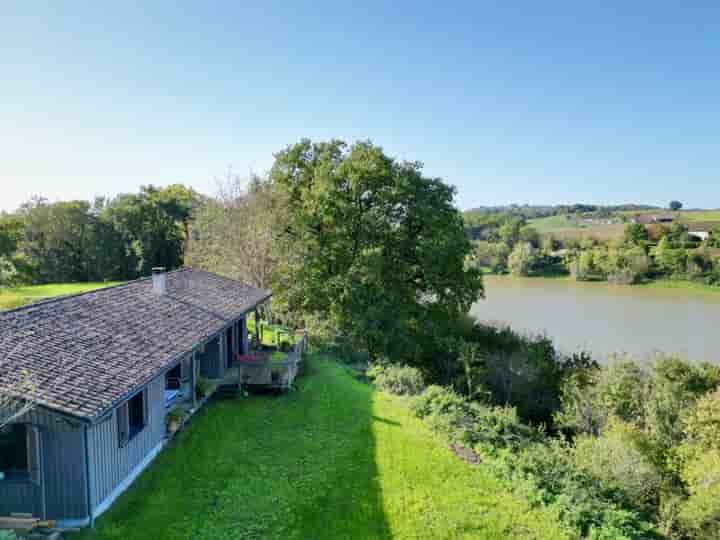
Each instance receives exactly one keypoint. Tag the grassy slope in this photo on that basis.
(19, 296)
(333, 460)
(563, 228)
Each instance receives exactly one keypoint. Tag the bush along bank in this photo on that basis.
(631, 451)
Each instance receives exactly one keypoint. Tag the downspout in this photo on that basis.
(88, 483)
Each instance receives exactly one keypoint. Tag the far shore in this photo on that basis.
(663, 284)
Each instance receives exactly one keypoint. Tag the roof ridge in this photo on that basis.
(75, 295)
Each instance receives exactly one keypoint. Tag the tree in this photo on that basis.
(522, 259)
(582, 265)
(372, 245)
(635, 234)
(530, 235)
(510, 231)
(154, 223)
(232, 234)
(668, 260)
(675, 205)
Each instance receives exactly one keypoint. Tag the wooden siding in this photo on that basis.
(63, 471)
(211, 366)
(110, 464)
(20, 497)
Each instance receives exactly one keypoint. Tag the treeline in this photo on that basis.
(532, 211)
(623, 451)
(506, 243)
(669, 252)
(109, 239)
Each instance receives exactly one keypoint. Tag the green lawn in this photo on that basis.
(19, 296)
(552, 223)
(331, 460)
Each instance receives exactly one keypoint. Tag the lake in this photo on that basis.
(606, 319)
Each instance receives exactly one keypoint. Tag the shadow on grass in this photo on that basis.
(297, 466)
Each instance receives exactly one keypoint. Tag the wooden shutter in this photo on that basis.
(33, 458)
(185, 365)
(123, 423)
(146, 406)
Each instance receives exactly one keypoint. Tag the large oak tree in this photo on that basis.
(372, 245)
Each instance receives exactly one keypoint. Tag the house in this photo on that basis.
(701, 230)
(108, 365)
(664, 218)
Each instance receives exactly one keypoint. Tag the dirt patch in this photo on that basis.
(464, 453)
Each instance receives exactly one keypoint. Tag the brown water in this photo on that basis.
(606, 319)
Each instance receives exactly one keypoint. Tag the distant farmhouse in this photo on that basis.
(649, 219)
(108, 365)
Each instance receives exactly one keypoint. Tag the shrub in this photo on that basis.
(202, 387)
(702, 424)
(549, 474)
(471, 423)
(700, 514)
(402, 380)
(621, 390)
(619, 461)
(436, 400)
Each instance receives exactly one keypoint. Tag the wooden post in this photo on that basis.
(193, 378)
(258, 332)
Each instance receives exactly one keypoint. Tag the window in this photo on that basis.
(132, 417)
(14, 449)
(20, 452)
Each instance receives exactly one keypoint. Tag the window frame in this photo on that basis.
(126, 432)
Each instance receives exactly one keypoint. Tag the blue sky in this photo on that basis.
(532, 102)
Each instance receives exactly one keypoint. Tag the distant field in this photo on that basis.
(19, 296)
(552, 223)
(563, 228)
(683, 215)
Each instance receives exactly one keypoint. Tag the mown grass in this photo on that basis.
(332, 460)
(19, 296)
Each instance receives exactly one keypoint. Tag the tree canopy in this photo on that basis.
(370, 244)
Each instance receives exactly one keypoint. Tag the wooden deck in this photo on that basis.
(261, 370)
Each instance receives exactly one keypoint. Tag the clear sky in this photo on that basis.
(528, 102)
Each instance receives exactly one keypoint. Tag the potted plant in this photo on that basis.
(174, 420)
(202, 388)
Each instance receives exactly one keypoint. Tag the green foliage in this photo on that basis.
(79, 241)
(399, 380)
(471, 423)
(701, 425)
(202, 387)
(371, 245)
(619, 461)
(635, 234)
(675, 205)
(700, 513)
(549, 473)
(491, 255)
(522, 259)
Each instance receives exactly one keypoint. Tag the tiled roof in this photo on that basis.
(86, 352)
